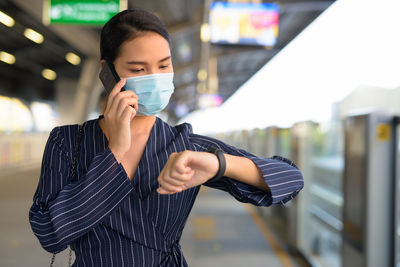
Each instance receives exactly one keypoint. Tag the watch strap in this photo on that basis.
(222, 163)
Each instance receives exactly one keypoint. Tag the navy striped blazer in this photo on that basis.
(109, 220)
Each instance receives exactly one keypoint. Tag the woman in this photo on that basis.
(136, 176)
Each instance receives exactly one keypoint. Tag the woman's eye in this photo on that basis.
(164, 67)
(137, 70)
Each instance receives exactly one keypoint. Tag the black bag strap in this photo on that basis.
(73, 170)
(78, 140)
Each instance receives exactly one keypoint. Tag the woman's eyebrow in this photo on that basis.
(133, 62)
(166, 58)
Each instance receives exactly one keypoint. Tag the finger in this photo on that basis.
(173, 172)
(175, 181)
(128, 114)
(126, 102)
(169, 183)
(184, 187)
(177, 186)
(128, 93)
(181, 162)
(171, 188)
(117, 88)
(116, 95)
(176, 178)
(162, 191)
(117, 100)
(161, 176)
(169, 164)
(165, 172)
(191, 182)
(179, 173)
(180, 168)
(166, 167)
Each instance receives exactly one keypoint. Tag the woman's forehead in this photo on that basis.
(149, 46)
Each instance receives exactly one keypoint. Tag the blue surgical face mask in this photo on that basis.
(153, 91)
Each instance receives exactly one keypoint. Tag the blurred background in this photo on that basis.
(316, 81)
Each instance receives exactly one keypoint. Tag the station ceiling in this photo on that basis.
(234, 63)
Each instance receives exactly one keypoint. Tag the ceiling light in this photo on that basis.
(202, 75)
(49, 74)
(33, 36)
(72, 58)
(7, 58)
(6, 19)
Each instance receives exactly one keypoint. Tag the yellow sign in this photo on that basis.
(383, 132)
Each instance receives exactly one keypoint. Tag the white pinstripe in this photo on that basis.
(140, 230)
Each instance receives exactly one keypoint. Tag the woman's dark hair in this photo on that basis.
(125, 26)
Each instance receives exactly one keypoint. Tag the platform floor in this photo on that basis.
(224, 232)
(220, 230)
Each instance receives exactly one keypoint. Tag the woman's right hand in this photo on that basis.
(117, 117)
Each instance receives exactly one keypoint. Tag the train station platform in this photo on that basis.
(220, 230)
(324, 92)
(224, 232)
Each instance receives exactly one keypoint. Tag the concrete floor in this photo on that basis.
(219, 231)
(235, 239)
(18, 245)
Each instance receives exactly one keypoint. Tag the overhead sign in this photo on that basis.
(90, 12)
(244, 23)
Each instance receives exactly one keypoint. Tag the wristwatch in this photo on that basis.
(222, 163)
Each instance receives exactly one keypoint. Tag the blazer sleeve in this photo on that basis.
(281, 175)
(62, 210)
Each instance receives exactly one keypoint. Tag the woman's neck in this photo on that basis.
(142, 124)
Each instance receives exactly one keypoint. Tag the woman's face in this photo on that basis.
(147, 54)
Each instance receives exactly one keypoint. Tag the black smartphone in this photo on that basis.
(109, 77)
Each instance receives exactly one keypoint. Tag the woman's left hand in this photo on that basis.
(185, 170)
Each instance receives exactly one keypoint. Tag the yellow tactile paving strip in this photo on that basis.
(280, 253)
(205, 229)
